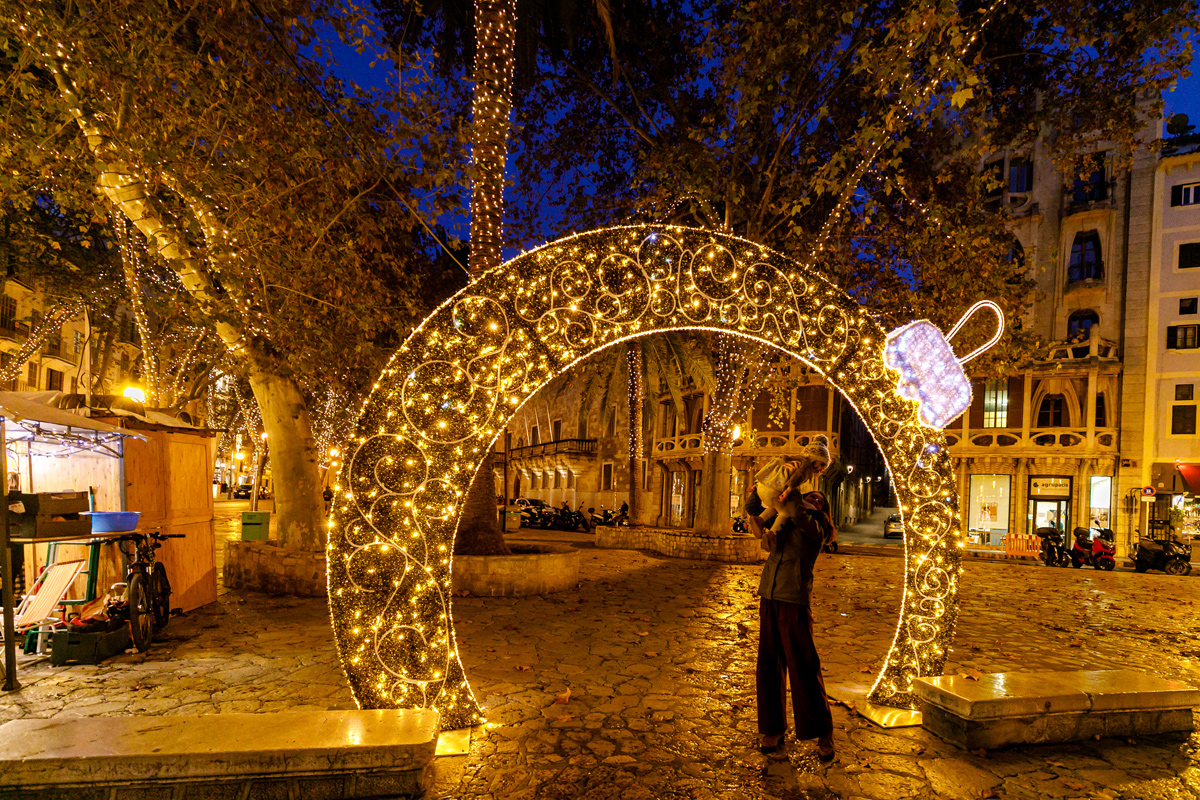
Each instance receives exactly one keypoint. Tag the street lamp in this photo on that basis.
(135, 393)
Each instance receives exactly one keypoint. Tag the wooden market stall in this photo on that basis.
(163, 470)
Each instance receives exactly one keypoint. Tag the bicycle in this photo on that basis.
(147, 588)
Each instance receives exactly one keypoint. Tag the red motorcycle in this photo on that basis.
(1104, 550)
(1099, 552)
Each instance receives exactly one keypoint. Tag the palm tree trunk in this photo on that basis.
(633, 364)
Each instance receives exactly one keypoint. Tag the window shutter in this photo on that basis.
(976, 412)
(1016, 402)
(1177, 195)
(1171, 337)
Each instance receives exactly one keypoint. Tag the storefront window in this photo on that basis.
(988, 522)
(1050, 503)
(1100, 502)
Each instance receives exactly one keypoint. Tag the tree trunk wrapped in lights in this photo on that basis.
(634, 369)
(739, 366)
(495, 29)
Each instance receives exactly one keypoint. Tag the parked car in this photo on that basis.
(893, 527)
(242, 491)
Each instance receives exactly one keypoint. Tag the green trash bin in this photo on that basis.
(256, 526)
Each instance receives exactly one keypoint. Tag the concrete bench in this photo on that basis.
(296, 754)
(1042, 707)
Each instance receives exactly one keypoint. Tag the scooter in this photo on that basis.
(1081, 550)
(1053, 551)
(1172, 555)
(1104, 550)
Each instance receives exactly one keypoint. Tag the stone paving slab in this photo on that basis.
(658, 656)
(48, 752)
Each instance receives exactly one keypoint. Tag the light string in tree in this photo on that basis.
(54, 319)
(495, 32)
(453, 386)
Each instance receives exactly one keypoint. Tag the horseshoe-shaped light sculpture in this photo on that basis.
(449, 391)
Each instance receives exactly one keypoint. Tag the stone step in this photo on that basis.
(1042, 707)
(289, 755)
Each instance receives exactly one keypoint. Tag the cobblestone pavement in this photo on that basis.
(657, 656)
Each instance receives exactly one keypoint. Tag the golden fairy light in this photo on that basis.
(451, 388)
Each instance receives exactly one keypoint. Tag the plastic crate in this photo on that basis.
(87, 648)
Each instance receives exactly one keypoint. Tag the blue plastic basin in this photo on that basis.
(114, 521)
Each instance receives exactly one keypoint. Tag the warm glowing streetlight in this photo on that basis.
(135, 393)
(239, 455)
(737, 432)
(333, 452)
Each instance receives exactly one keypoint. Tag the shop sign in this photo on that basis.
(1050, 487)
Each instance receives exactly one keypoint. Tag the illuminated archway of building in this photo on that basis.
(451, 388)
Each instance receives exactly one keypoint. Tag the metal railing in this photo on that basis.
(576, 447)
(767, 442)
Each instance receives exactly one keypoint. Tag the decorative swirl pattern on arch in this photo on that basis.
(449, 391)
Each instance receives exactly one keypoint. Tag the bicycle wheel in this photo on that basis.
(160, 596)
(141, 611)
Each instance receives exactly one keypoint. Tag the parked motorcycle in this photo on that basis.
(1053, 550)
(1104, 550)
(1081, 550)
(607, 517)
(740, 526)
(1170, 554)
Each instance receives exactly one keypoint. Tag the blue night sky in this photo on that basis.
(1185, 99)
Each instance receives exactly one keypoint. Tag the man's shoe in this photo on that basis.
(771, 744)
(825, 750)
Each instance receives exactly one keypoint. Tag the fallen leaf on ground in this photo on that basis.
(1056, 764)
(867, 669)
(1076, 785)
(643, 633)
(973, 674)
(523, 668)
(1076, 642)
(650, 654)
(491, 649)
(563, 698)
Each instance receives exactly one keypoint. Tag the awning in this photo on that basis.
(53, 431)
(1191, 476)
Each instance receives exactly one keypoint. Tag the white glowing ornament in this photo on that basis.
(929, 371)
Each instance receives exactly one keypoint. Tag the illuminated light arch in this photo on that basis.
(451, 388)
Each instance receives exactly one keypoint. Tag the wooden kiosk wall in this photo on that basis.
(168, 477)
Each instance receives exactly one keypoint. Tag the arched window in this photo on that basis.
(1079, 325)
(1086, 263)
(1052, 413)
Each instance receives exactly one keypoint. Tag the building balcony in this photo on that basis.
(772, 443)
(1095, 347)
(562, 447)
(17, 332)
(1018, 443)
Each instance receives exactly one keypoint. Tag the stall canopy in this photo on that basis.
(54, 432)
